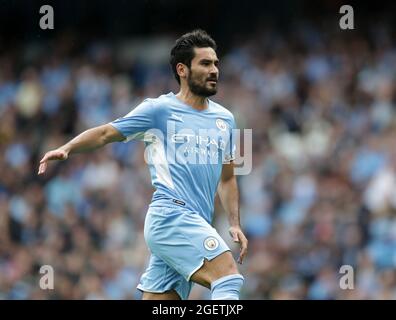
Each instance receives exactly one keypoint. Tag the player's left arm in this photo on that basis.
(229, 197)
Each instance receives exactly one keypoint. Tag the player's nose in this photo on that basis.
(215, 71)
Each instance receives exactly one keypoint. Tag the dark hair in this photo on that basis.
(183, 51)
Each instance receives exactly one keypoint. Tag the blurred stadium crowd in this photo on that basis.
(322, 192)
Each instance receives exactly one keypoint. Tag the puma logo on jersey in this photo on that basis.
(176, 117)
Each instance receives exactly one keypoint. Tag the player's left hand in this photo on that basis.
(238, 236)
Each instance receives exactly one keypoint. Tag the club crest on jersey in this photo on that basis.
(221, 124)
(211, 243)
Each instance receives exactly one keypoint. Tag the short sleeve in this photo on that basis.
(230, 149)
(137, 122)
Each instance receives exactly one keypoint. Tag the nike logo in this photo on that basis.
(176, 117)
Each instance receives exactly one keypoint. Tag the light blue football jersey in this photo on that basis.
(185, 149)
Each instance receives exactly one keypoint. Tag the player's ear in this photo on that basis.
(182, 70)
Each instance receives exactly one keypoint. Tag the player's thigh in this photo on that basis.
(168, 295)
(221, 266)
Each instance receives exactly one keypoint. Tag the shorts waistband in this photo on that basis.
(169, 202)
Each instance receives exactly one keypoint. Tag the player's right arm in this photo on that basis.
(139, 120)
(89, 140)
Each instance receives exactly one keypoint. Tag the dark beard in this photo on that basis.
(200, 90)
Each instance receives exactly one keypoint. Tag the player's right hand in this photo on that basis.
(57, 154)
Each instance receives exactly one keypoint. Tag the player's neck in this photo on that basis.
(197, 102)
